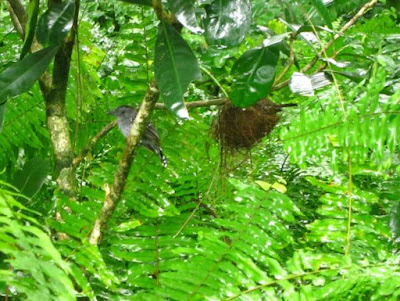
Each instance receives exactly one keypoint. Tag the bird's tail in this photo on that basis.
(163, 159)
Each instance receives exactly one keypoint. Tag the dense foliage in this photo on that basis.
(311, 212)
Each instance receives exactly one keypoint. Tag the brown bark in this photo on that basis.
(54, 88)
(18, 16)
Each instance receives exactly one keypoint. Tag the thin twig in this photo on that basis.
(290, 63)
(353, 20)
(215, 81)
(207, 208)
(196, 104)
(198, 204)
(104, 131)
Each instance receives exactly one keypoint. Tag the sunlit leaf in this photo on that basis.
(279, 187)
(185, 13)
(123, 227)
(264, 185)
(21, 76)
(254, 75)
(175, 66)
(29, 250)
(33, 12)
(55, 23)
(227, 22)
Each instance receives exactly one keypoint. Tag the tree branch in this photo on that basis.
(353, 20)
(18, 16)
(113, 195)
(54, 90)
(104, 131)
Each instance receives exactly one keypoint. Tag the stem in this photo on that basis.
(350, 202)
(215, 81)
(353, 20)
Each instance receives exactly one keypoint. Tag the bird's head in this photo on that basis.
(123, 112)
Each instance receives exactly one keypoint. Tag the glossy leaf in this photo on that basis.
(274, 40)
(278, 44)
(227, 22)
(175, 66)
(323, 11)
(185, 13)
(254, 75)
(21, 76)
(30, 179)
(33, 12)
(55, 23)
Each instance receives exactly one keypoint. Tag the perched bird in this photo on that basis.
(150, 139)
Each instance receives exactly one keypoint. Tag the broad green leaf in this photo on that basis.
(395, 221)
(227, 22)
(139, 2)
(254, 74)
(279, 44)
(55, 23)
(30, 179)
(275, 40)
(185, 13)
(323, 11)
(2, 114)
(33, 12)
(175, 66)
(21, 76)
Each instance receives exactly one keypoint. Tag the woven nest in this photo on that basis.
(238, 128)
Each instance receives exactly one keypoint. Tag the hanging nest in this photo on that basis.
(238, 128)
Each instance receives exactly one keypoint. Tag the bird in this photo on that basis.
(150, 139)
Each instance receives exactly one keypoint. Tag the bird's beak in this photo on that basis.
(111, 112)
